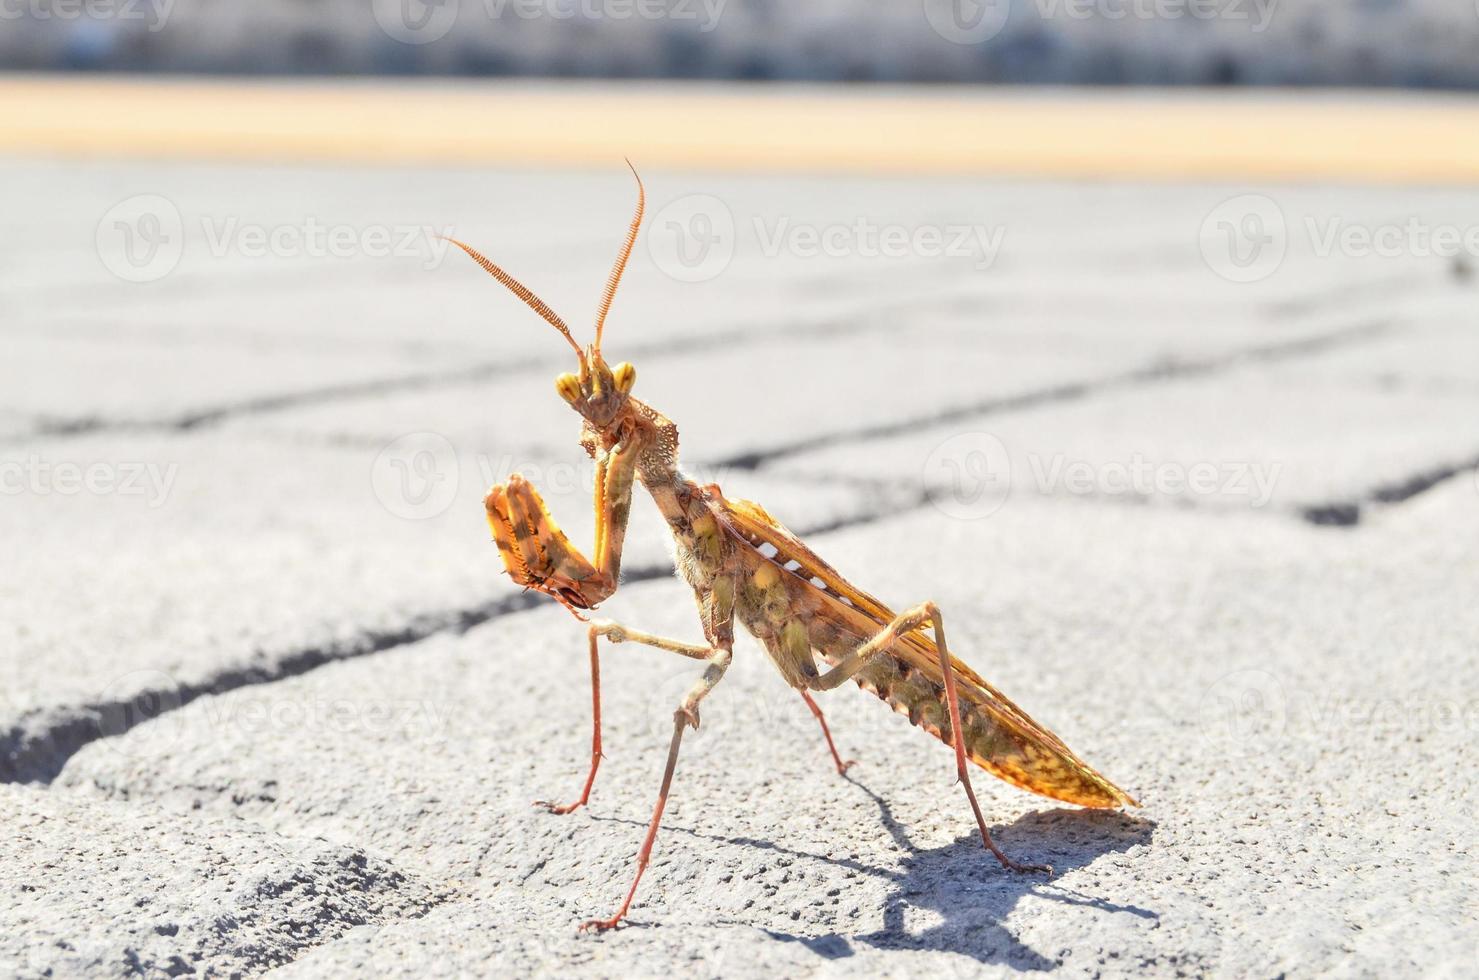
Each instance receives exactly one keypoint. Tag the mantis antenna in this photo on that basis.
(614, 279)
(522, 292)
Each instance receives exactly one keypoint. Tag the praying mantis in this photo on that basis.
(742, 564)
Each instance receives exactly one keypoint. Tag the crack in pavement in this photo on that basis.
(1156, 373)
(870, 319)
(1348, 513)
(1326, 514)
(39, 756)
(1345, 294)
(677, 346)
(284, 401)
(37, 747)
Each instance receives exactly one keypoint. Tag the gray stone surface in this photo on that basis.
(285, 714)
(169, 894)
(292, 556)
(1264, 436)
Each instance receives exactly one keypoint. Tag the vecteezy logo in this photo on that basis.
(1243, 713)
(969, 476)
(692, 239)
(1244, 238)
(416, 21)
(141, 238)
(416, 476)
(967, 21)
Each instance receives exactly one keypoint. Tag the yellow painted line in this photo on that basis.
(1136, 134)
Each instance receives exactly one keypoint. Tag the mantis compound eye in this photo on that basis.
(625, 376)
(568, 385)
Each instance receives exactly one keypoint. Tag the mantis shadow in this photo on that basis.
(962, 882)
(974, 896)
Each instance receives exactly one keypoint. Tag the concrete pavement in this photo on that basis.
(1205, 510)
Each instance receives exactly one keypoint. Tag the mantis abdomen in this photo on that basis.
(1048, 770)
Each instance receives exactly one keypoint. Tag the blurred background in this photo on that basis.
(1424, 43)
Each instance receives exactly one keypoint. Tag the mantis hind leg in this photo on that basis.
(906, 622)
(937, 621)
(615, 633)
(816, 710)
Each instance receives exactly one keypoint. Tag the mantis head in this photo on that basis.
(598, 392)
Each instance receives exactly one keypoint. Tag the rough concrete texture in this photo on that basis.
(254, 899)
(287, 716)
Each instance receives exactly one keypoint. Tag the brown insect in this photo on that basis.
(742, 563)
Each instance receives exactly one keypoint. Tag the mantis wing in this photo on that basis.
(1000, 737)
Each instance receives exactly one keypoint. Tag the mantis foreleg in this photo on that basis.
(537, 553)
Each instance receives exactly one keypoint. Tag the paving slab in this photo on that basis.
(211, 563)
(1295, 759)
(251, 606)
(1438, 353)
(749, 398)
(728, 404)
(127, 381)
(1297, 436)
(153, 266)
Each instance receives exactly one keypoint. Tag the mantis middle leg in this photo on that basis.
(616, 633)
(842, 767)
(686, 715)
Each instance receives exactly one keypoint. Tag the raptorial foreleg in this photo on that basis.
(537, 553)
